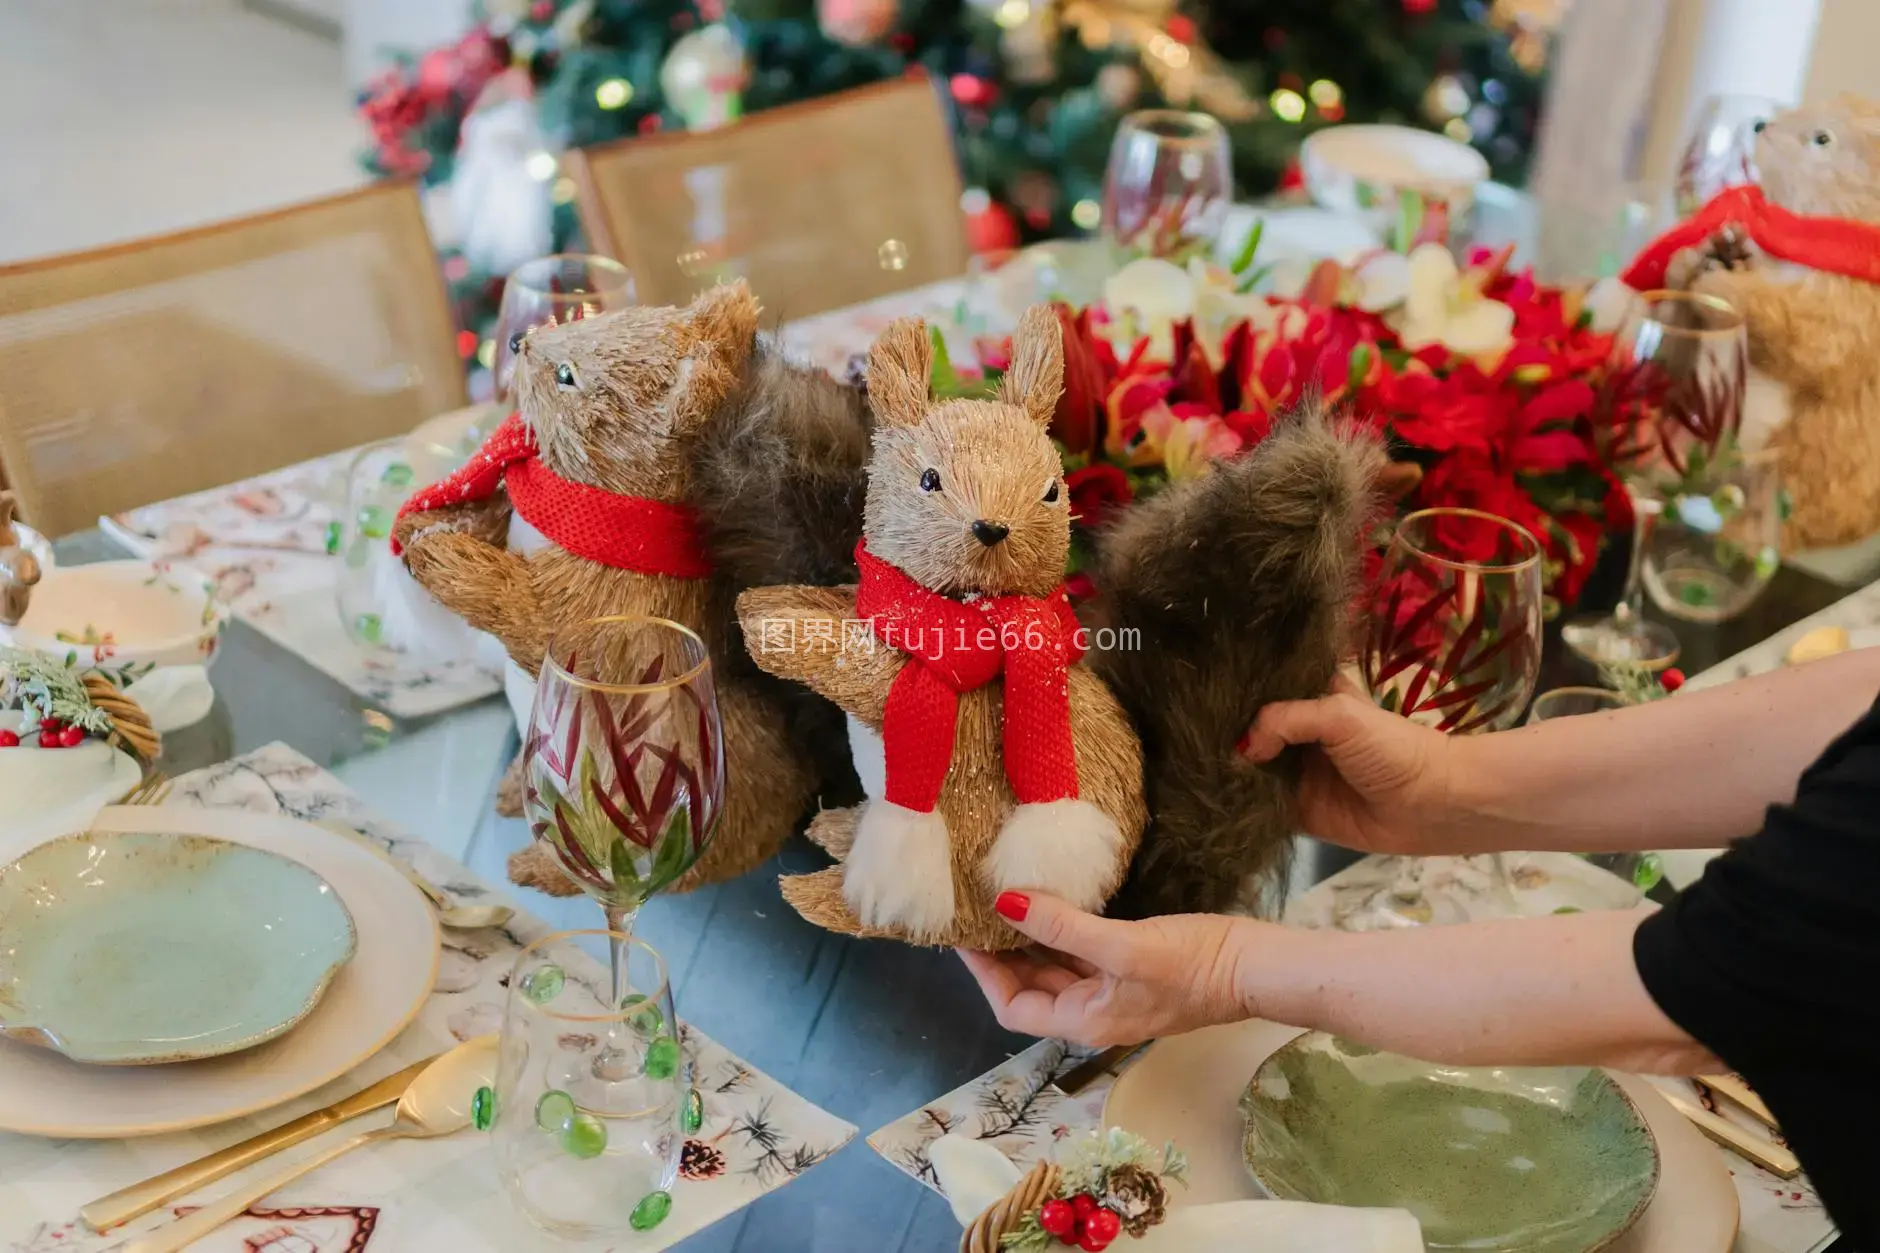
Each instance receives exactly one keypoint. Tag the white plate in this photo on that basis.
(1187, 1089)
(369, 1003)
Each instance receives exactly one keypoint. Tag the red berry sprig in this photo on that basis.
(1671, 680)
(1099, 1229)
(71, 737)
(9, 739)
(1059, 1219)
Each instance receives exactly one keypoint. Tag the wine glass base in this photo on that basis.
(1609, 642)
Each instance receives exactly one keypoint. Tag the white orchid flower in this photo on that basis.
(1383, 281)
(1220, 305)
(1440, 307)
(1146, 298)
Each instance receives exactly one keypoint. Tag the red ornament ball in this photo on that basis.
(1084, 1205)
(466, 344)
(49, 739)
(1181, 29)
(992, 229)
(51, 724)
(71, 737)
(542, 11)
(9, 739)
(649, 124)
(1672, 679)
(1099, 1229)
(972, 91)
(1058, 1219)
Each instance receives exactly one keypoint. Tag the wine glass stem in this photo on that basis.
(1631, 606)
(620, 924)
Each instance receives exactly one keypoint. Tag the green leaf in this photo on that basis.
(673, 854)
(1243, 259)
(1409, 220)
(626, 875)
(1359, 367)
(945, 379)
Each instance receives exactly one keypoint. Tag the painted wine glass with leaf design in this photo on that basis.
(624, 761)
(1670, 412)
(1453, 641)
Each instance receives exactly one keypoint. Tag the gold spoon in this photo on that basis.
(457, 917)
(436, 1104)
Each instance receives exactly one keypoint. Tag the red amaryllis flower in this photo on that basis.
(1089, 365)
(1097, 491)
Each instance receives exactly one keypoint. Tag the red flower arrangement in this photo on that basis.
(1518, 430)
(403, 104)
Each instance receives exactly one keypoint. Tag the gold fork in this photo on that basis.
(153, 789)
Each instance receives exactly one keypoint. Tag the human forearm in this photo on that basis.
(1525, 991)
(1693, 772)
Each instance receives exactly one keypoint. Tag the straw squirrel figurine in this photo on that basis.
(583, 506)
(1814, 336)
(1006, 763)
(19, 569)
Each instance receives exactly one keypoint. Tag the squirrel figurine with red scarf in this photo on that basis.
(663, 459)
(1799, 257)
(1004, 763)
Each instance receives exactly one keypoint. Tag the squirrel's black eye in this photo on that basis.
(930, 480)
(1758, 125)
(515, 341)
(564, 375)
(1821, 139)
(1051, 493)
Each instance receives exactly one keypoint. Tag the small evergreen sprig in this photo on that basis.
(47, 687)
(1637, 684)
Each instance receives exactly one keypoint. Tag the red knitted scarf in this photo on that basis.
(625, 532)
(1837, 245)
(955, 646)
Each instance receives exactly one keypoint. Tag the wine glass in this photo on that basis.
(1168, 184)
(585, 1156)
(1717, 541)
(623, 764)
(1721, 149)
(1453, 639)
(1670, 406)
(547, 292)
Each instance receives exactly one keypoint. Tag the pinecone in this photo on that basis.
(1137, 1196)
(699, 1160)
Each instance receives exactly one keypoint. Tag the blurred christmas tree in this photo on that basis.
(1037, 87)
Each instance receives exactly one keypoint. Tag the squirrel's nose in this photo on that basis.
(989, 533)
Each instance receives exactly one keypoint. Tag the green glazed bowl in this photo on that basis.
(1487, 1158)
(132, 949)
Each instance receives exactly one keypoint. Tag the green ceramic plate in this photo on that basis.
(131, 949)
(1488, 1159)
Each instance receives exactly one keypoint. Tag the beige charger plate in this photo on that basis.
(1187, 1089)
(370, 1001)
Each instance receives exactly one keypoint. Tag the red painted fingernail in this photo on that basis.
(1014, 905)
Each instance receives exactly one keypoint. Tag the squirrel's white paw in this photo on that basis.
(899, 872)
(1068, 848)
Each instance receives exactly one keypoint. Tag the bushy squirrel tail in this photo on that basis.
(1226, 592)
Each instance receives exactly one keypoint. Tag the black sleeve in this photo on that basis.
(1772, 962)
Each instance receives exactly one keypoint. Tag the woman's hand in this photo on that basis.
(1108, 982)
(1371, 780)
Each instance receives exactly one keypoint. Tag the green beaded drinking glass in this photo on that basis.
(589, 1148)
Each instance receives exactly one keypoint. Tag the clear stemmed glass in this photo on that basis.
(1454, 633)
(1168, 183)
(624, 769)
(1720, 151)
(547, 292)
(1671, 406)
(589, 1105)
(1717, 542)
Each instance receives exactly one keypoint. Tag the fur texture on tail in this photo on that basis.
(1238, 585)
(778, 476)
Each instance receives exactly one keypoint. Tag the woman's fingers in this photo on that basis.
(1106, 944)
(1328, 720)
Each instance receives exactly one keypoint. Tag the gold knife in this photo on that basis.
(1093, 1068)
(1736, 1090)
(1771, 1156)
(140, 1198)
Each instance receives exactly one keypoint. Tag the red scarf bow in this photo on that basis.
(625, 532)
(1836, 245)
(955, 646)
